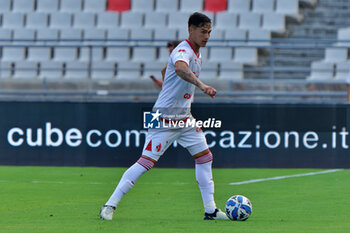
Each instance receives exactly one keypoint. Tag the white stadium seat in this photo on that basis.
(5, 69)
(142, 54)
(26, 70)
(95, 6)
(70, 35)
(51, 70)
(128, 70)
(71, 6)
(107, 20)
(163, 55)
(12, 20)
(103, 70)
(209, 71)
(5, 6)
(24, 36)
(238, 6)
(23, 6)
(76, 70)
(263, 6)
(60, 20)
(65, 54)
(117, 54)
(342, 70)
(178, 20)
(13, 53)
(141, 34)
(246, 55)
(5, 35)
(336, 54)
(249, 20)
(39, 54)
(321, 71)
(259, 34)
(84, 20)
(47, 6)
(118, 36)
(238, 36)
(167, 5)
(191, 6)
(220, 54)
(152, 68)
(289, 8)
(274, 22)
(37, 20)
(142, 5)
(47, 34)
(164, 34)
(131, 19)
(155, 19)
(231, 70)
(226, 20)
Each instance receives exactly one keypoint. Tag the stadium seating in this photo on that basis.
(105, 23)
(51, 70)
(321, 71)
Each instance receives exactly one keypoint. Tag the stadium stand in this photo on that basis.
(106, 26)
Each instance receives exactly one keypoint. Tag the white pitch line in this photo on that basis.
(285, 177)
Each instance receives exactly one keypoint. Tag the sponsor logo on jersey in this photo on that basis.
(187, 96)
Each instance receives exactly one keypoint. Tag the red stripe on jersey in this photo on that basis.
(197, 54)
(204, 158)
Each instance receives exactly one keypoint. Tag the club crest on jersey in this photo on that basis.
(159, 147)
(180, 53)
(187, 96)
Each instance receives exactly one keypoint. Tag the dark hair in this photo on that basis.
(198, 20)
(173, 43)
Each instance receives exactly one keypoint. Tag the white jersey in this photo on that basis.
(176, 95)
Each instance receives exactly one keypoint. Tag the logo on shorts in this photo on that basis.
(151, 120)
(159, 147)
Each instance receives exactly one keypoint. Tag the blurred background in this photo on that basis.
(260, 50)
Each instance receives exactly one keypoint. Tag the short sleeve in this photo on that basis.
(181, 54)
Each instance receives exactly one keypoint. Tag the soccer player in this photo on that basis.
(175, 98)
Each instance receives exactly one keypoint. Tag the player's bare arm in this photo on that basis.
(163, 72)
(184, 72)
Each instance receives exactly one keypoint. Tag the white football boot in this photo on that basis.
(217, 215)
(107, 212)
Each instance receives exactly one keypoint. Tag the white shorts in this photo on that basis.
(159, 140)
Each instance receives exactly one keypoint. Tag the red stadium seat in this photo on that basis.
(118, 5)
(215, 5)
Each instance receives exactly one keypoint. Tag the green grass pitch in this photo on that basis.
(66, 199)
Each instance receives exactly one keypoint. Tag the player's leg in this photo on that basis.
(194, 141)
(155, 146)
(129, 178)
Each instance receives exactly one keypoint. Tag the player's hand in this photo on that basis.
(209, 91)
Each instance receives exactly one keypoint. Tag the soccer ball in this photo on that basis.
(238, 208)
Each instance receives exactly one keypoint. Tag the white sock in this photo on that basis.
(205, 181)
(127, 181)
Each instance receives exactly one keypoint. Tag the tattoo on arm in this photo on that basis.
(188, 76)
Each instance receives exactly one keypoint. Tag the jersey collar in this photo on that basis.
(197, 54)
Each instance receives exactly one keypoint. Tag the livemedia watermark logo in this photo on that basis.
(157, 120)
